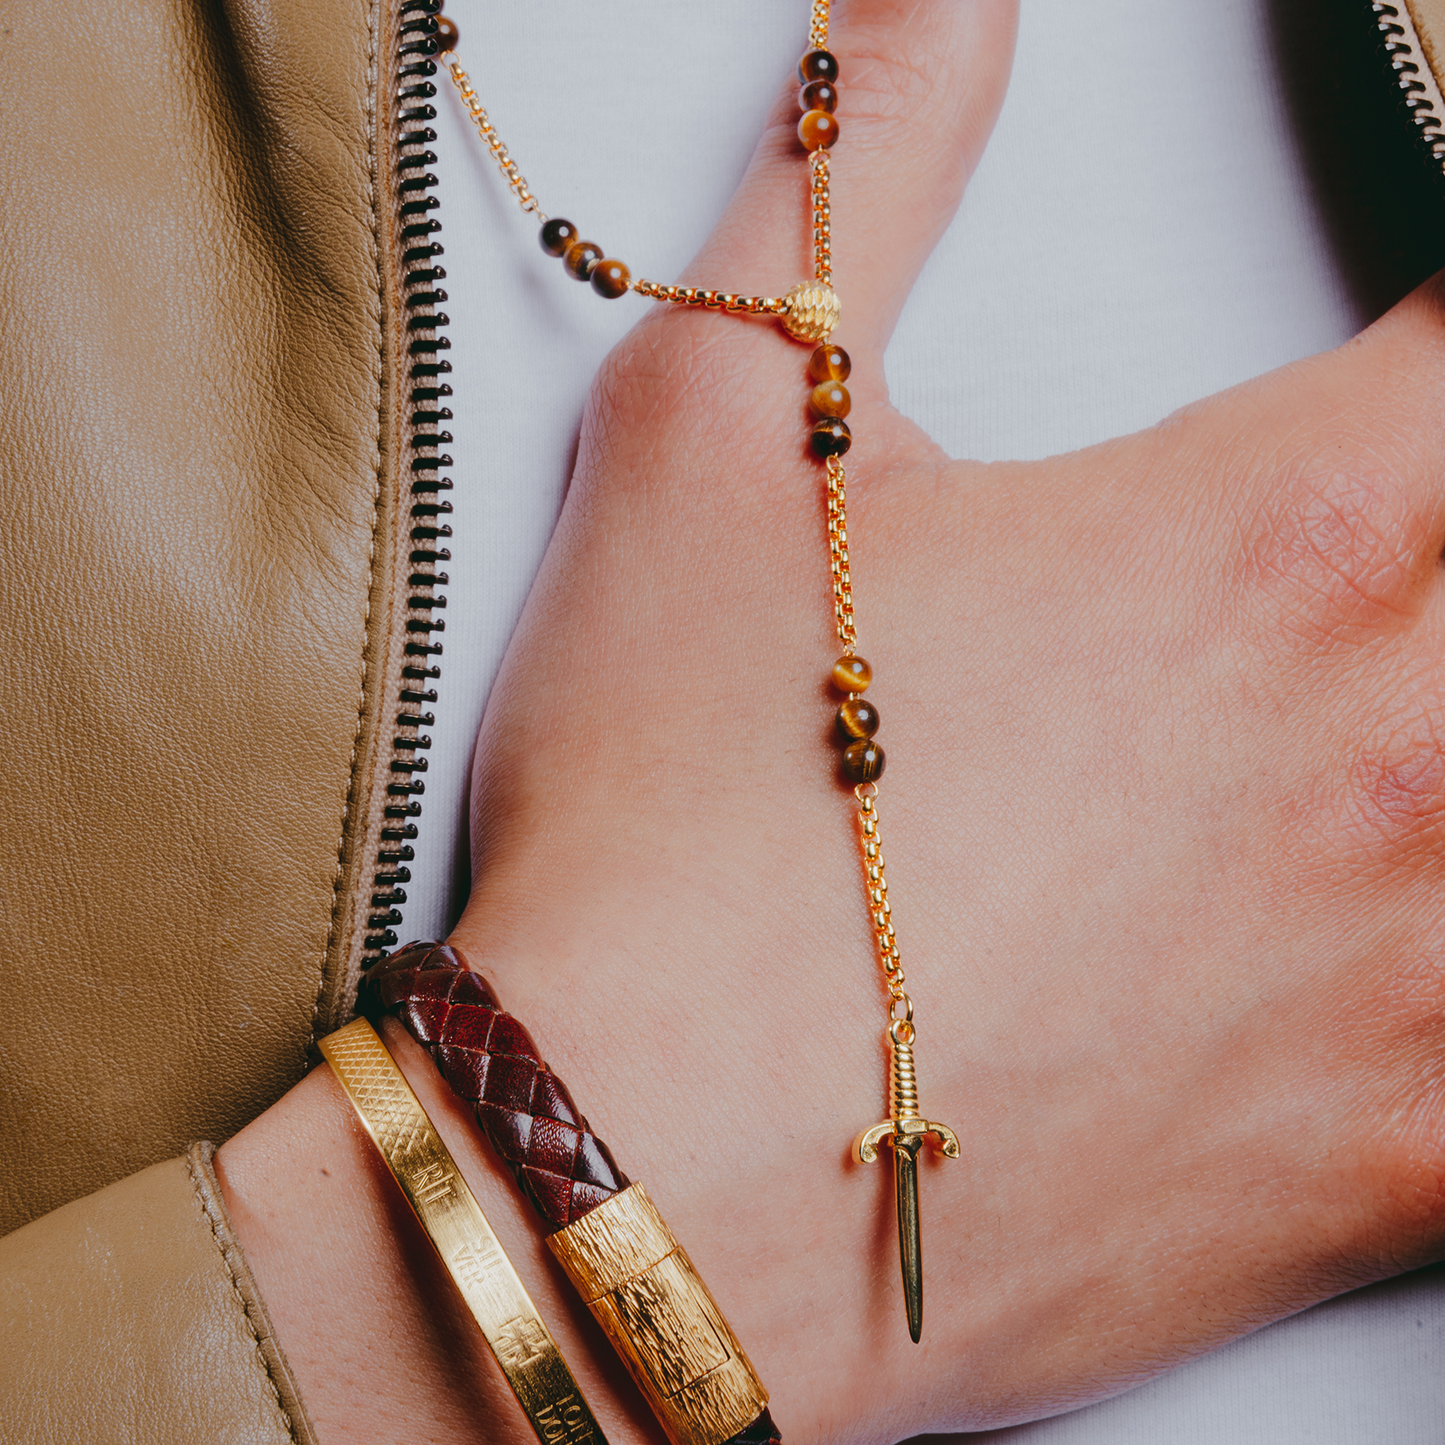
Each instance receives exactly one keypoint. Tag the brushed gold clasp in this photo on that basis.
(653, 1305)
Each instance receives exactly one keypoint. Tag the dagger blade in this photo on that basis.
(910, 1235)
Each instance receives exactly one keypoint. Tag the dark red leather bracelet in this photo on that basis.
(562, 1168)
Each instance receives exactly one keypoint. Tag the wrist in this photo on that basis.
(377, 1336)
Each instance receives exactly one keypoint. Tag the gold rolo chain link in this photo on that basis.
(488, 133)
(818, 31)
(818, 161)
(822, 220)
(878, 905)
(714, 300)
(838, 554)
(875, 880)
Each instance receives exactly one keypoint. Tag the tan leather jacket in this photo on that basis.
(219, 520)
(217, 531)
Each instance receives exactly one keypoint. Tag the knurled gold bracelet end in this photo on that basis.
(653, 1305)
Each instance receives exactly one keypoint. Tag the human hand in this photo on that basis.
(374, 1332)
(1169, 929)
(1162, 810)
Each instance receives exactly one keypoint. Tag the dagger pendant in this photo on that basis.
(907, 1132)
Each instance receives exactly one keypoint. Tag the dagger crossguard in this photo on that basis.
(907, 1122)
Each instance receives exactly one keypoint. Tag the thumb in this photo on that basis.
(919, 87)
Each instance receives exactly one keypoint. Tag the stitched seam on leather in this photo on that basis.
(373, 193)
(198, 1158)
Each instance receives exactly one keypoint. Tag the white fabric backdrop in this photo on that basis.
(1143, 230)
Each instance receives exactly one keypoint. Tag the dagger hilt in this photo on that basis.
(907, 1124)
(903, 1086)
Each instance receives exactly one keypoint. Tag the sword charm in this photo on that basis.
(906, 1131)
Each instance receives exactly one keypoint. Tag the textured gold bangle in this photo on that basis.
(652, 1304)
(460, 1234)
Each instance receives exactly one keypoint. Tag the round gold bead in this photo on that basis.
(852, 674)
(830, 398)
(447, 35)
(813, 311)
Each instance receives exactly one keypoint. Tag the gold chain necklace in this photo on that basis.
(809, 313)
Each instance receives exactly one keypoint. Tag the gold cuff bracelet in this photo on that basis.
(461, 1236)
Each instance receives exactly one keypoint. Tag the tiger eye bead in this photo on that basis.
(557, 235)
(818, 95)
(857, 719)
(831, 399)
(831, 437)
(852, 674)
(818, 65)
(580, 257)
(863, 761)
(829, 363)
(610, 278)
(818, 130)
(447, 34)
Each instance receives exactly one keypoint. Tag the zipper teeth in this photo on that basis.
(419, 227)
(1401, 43)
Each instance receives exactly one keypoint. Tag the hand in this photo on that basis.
(379, 1343)
(1163, 815)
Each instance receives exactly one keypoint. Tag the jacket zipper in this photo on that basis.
(1413, 74)
(401, 663)
(418, 230)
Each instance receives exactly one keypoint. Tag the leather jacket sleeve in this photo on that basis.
(189, 361)
(193, 499)
(130, 1315)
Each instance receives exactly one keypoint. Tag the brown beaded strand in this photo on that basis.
(610, 278)
(857, 719)
(809, 313)
(583, 260)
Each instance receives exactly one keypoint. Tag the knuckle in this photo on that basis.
(889, 83)
(668, 371)
(1407, 1160)
(900, 84)
(1392, 808)
(1336, 556)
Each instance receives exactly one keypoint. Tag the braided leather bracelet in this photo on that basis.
(636, 1279)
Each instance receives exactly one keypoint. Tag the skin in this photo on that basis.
(1164, 809)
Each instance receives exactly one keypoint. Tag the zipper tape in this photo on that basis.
(430, 509)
